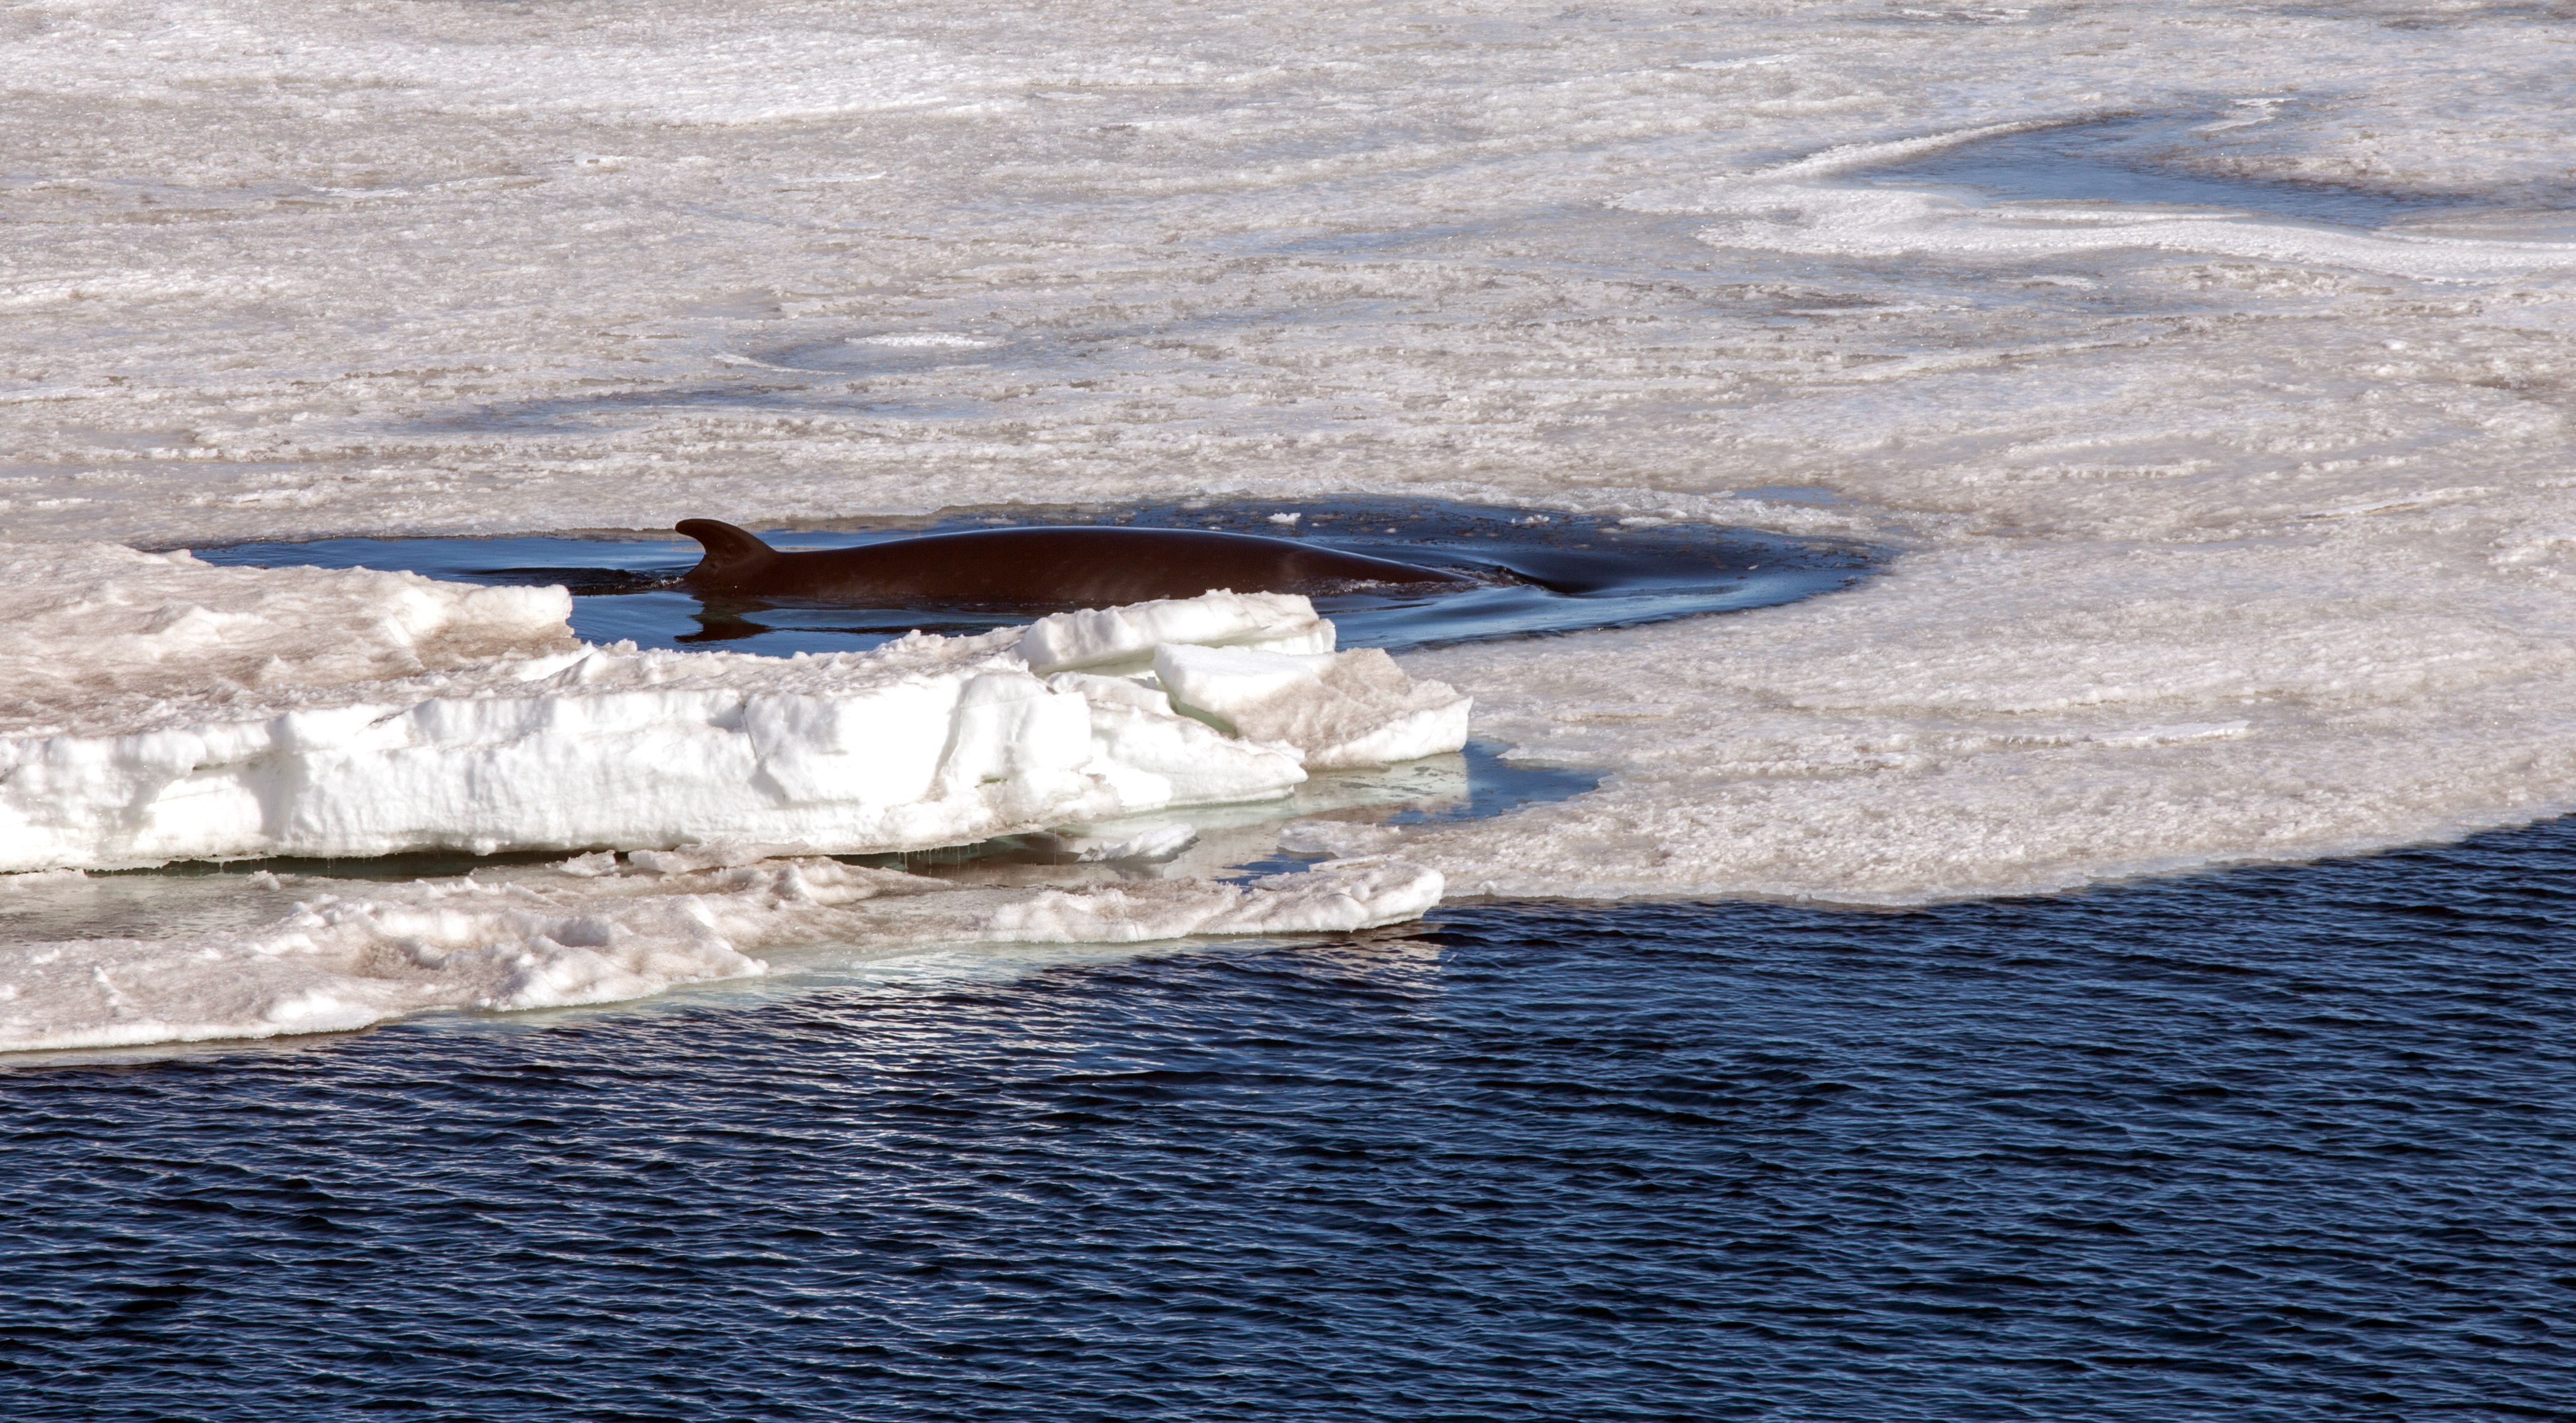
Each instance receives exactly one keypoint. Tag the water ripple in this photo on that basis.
(2277, 1144)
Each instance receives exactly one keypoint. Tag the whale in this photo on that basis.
(1085, 565)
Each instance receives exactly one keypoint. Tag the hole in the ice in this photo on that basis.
(1551, 572)
(1542, 571)
(2146, 159)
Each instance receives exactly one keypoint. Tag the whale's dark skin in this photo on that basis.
(1088, 565)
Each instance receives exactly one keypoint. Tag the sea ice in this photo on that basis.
(1124, 639)
(584, 932)
(283, 270)
(279, 722)
(115, 640)
(1340, 709)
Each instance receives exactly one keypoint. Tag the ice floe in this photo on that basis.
(1123, 639)
(458, 270)
(305, 747)
(107, 639)
(588, 932)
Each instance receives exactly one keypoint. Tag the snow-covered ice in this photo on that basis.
(2225, 533)
(1123, 640)
(108, 640)
(1339, 709)
(928, 741)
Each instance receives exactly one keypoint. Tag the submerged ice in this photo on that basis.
(587, 932)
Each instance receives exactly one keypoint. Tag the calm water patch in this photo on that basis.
(2103, 1157)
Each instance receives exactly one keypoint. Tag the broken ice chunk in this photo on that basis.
(1144, 844)
(1332, 899)
(1152, 757)
(1337, 839)
(1337, 709)
(1102, 639)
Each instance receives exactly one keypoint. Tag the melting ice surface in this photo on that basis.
(2234, 520)
(2140, 160)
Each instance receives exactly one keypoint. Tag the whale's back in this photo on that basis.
(1081, 565)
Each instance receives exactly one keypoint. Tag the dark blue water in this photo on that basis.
(2276, 1144)
(1548, 572)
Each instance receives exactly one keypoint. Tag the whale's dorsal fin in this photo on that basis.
(731, 553)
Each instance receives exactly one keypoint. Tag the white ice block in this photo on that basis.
(1105, 639)
(1338, 709)
(311, 750)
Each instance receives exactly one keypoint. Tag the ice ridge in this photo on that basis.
(308, 748)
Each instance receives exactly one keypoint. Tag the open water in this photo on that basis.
(2282, 1143)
